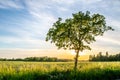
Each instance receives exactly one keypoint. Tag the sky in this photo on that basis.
(25, 23)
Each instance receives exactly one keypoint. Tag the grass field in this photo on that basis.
(59, 71)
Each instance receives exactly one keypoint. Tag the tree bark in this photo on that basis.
(76, 60)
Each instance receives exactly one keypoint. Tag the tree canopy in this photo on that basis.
(77, 32)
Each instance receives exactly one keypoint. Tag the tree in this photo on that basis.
(107, 54)
(77, 32)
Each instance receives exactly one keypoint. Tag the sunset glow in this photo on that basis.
(80, 53)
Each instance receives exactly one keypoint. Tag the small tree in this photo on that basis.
(77, 32)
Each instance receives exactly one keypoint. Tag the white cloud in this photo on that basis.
(10, 4)
(90, 1)
(51, 8)
(32, 32)
(36, 27)
(26, 43)
(114, 23)
(108, 40)
(64, 2)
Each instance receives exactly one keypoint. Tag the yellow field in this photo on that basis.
(48, 70)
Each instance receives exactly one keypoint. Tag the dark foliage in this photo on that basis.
(67, 75)
(41, 59)
(107, 57)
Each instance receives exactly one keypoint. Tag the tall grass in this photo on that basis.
(59, 71)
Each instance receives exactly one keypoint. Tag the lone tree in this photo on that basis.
(77, 32)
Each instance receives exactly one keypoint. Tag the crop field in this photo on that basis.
(18, 70)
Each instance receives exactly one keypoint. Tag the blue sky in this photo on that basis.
(24, 25)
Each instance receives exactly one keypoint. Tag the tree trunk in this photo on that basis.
(76, 60)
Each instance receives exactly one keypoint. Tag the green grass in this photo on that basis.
(59, 71)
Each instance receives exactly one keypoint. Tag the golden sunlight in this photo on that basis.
(80, 53)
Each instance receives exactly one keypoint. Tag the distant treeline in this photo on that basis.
(39, 59)
(98, 57)
(106, 57)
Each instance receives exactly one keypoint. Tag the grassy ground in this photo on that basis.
(59, 71)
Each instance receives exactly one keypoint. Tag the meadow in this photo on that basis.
(18, 70)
